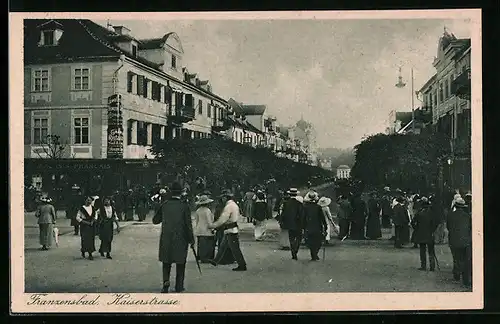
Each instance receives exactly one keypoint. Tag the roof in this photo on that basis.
(152, 43)
(237, 106)
(245, 125)
(430, 81)
(343, 166)
(85, 41)
(254, 109)
(404, 116)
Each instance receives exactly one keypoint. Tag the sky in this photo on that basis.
(340, 75)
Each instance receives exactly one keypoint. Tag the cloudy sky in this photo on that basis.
(338, 74)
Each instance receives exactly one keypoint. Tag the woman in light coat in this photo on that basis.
(46, 215)
(324, 203)
(204, 235)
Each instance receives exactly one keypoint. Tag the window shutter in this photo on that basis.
(129, 132)
(130, 77)
(157, 88)
(140, 85)
(145, 88)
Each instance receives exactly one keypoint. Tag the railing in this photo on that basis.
(182, 113)
(461, 86)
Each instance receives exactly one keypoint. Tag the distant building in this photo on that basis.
(343, 172)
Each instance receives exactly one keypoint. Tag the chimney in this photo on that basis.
(122, 30)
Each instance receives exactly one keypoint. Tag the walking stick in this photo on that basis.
(196, 258)
(437, 262)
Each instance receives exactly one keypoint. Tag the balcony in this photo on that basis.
(181, 114)
(221, 124)
(461, 85)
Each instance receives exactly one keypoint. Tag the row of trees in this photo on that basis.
(222, 161)
(408, 161)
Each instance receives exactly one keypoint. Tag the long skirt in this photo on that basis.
(87, 236)
(260, 230)
(46, 234)
(106, 237)
(405, 234)
(284, 240)
(373, 228)
(206, 248)
(228, 257)
(129, 214)
(439, 234)
(358, 230)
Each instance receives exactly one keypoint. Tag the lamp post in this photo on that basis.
(400, 85)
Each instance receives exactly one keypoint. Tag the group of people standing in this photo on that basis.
(214, 226)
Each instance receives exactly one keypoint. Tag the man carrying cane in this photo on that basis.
(176, 235)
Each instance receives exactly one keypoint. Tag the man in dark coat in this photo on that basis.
(358, 217)
(291, 218)
(400, 219)
(459, 224)
(424, 224)
(373, 229)
(385, 204)
(176, 236)
(314, 224)
(344, 215)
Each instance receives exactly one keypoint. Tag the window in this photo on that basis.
(40, 130)
(441, 92)
(81, 79)
(81, 126)
(130, 82)
(174, 62)
(209, 111)
(200, 107)
(41, 80)
(140, 85)
(446, 92)
(48, 37)
(134, 50)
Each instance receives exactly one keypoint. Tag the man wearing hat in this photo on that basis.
(314, 224)
(176, 236)
(291, 219)
(228, 220)
(424, 224)
(400, 219)
(459, 224)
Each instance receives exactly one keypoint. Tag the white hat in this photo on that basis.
(324, 201)
(95, 197)
(292, 191)
(45, 199)
(203, 200)
(163, 191)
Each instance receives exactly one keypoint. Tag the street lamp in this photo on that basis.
(400, 85)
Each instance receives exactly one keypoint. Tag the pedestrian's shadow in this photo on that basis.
(32, 249)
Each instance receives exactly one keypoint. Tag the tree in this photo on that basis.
(52, 147)
(404, 161)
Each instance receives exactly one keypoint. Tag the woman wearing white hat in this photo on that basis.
(46, 215)
(204, 235)
(324, 203)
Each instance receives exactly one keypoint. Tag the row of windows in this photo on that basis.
(140, 85)
(81, 79)
(81, 130)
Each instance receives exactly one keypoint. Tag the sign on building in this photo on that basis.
(115, 127)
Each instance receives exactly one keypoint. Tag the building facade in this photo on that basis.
(343, 172)
(447, 95)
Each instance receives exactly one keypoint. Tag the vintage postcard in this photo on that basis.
(246, 161)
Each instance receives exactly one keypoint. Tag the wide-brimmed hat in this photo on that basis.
(46, 199)
(387, 189)
(203, 200)
(176, 188)
(95, 197)
(311, 196)
(163, 191)
(260, 194)
(457, 196)
(424, 199)
(292, 191)
(460, 203)
(324, 201)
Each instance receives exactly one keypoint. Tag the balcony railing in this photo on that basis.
(461, 86)
(181, 114)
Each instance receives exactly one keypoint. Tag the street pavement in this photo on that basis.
(349, 266)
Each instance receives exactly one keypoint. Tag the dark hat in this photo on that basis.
(176, 188)
(226, 193)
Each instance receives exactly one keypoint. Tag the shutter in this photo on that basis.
(129, 132)
(140, 85)
(130, 77)
(145, 88)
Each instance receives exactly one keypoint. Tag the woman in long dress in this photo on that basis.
(358, 218)
(46, 215)
(248, 204)
(106, 218)
(373, 226)
(221, 239)
(284, 241)
(324, 203)
(204, 235)
(260, 214)
(86, 217)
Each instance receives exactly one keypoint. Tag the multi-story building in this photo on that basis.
(447, 94)
(401, 122)
(239, 129)
(108, 96)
